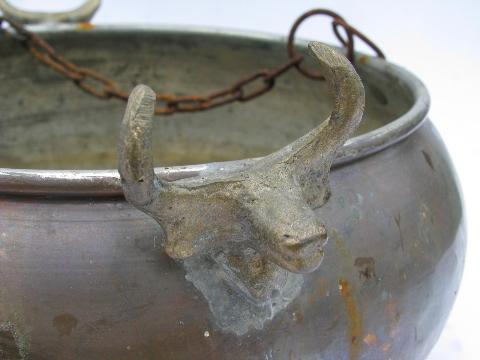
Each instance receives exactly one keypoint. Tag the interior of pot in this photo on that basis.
(46, 122)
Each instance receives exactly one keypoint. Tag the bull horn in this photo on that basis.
(310, 157)
(135, 164)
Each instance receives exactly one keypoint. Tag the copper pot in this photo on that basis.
(272, 245)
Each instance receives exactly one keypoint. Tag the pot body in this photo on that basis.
(87, 278)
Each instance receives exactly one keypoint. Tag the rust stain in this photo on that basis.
(391, 308)
(394, 316)
(363, 59)
(86, 26)
(319, 291)
(322, 287)
(370, 339)
(65, 323)
(354, 318)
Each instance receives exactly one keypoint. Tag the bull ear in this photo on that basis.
(310, 157)
(135, 163)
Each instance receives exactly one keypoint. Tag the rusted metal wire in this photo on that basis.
(258, 83)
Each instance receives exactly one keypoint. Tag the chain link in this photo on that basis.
(245, 89)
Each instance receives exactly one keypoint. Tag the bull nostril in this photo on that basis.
(296, 245)
(299, 254)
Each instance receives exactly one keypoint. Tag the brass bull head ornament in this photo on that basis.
(248, 219)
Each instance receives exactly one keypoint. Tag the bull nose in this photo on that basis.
(297, 245)
(300, 254)
(292, 243)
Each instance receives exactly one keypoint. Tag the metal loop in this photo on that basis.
(348, 43)
(102, 87)
(81, 14)
(292, 53)
(224, 98)
(267, 82)
(185, 104)
(104, 91)
(353, 31)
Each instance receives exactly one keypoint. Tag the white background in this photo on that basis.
(438, 40)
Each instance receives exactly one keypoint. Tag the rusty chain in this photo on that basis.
(265, 79)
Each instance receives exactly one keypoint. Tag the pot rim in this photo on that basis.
(107, 182)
